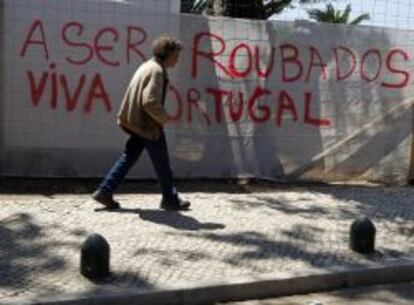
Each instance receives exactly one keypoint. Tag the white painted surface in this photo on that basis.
(366, 126)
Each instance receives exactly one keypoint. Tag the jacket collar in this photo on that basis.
(158, 62)
(164, 70)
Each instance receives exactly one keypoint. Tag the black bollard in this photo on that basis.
(95, 253)
(362, 236)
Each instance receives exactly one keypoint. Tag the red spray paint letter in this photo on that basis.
(97, 91)
(308, 119)
(404, 73)
(210, 56)
(37, 25)
(341, 75)
(292, 59)
(78, 45)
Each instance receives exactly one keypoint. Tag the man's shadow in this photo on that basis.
(172, 219)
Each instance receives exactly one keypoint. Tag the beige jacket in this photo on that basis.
(142, 109)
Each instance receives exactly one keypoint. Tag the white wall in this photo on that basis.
(312, 127)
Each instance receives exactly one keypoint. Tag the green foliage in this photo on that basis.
(199, 6)
(330, 15)
(258, 9)
(263, 9)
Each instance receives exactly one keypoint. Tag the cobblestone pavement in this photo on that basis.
(397, 294)
(231, 231)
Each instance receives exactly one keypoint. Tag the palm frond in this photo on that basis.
(276, 7)
(199, 6)
(360, 18)
(345, 15)
(330, 15)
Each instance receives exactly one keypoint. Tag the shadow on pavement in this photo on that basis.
(26, 254)
(257, 247)
(173, 219)
(20, 242)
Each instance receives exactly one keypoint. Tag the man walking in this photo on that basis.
(142, 116)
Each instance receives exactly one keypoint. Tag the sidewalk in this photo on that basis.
(398, 294)
(231, 231)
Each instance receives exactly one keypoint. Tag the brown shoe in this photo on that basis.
(106, 199)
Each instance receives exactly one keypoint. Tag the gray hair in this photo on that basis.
(164, 46)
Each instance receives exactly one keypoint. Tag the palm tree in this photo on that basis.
(330, 15)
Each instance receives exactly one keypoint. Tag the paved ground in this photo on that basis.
(401, 294)
(232, 230)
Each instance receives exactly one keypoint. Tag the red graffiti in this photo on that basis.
(340, 74)
(81, 46)
(97, 92)
(287, 63)
(308, 117)
(133, 45)
(87, 49)
(30, 39)
(219, 96)
(270, 65)
(194, 101)
(248, 58)
(100, 48)
(285, 102)
(176, 117)
(296, 64)
(290, 59)
(236, 114)
(258, 108)
(316, 61)
(57, 88)
(364, 66)
(255, 108)
(103, 52)
(406, 75)
(197, 52)
(235, 108)
(72, 98)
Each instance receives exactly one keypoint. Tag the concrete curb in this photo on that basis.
(256, 287)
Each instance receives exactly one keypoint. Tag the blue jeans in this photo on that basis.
(158, 152)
